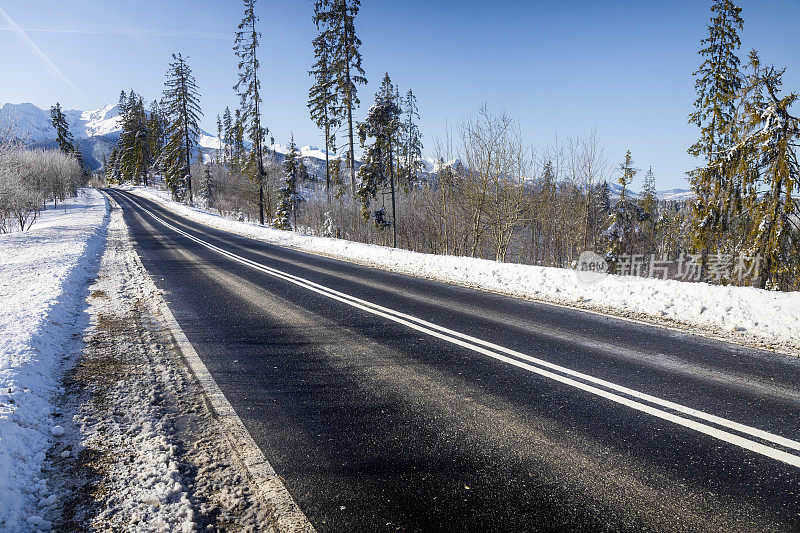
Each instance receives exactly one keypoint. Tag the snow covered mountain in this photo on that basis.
(676, 195)
(96, 131)
(32, 124)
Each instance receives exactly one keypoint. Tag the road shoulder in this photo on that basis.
(141, 448)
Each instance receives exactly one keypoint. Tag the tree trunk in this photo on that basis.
(391, 184)
(327, 162)
(186, 137)
(349, 106)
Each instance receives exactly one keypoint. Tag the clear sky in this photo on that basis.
(561, 66)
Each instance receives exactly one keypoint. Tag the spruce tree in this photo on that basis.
(627, 173)
(411, 144)
(63, 135)
(290, 199)
(766, 159)
(647, 199)
(66, 143)
(207, 187)
(134, 141)
(323, 101)
(624, 234)
(112, 172)
(157, 131)
(181, 101)
(248, 87)
(717, 83)
(605, 197)
(382, 125)
(649, 204)
(227, 128)
(219, 151)
(338, 17)
(238, 156)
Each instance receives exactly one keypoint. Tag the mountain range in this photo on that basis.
(97, 131)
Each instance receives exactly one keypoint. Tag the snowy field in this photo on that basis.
(44, 274)
(748, 315)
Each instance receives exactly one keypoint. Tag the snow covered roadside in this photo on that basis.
(141, 449)
(742, 314)
(43, 286)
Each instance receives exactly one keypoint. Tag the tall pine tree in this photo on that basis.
(66, 143)
(649, 204)
(248, 87)
(182, 107)
(766, 160)
(627, 173)
(63, 136)
(134, 141)
(227, 128)
(717, 83)
(411, 143)
(382, 125)
(157, 130)
(323, 101)
(338, 18)
(290, 199)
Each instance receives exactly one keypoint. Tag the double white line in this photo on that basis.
(664, 409)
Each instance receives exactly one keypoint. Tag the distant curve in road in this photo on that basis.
(392, 402)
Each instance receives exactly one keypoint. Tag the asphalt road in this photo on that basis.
(472, 411)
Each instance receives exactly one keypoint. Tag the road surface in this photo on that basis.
(388, 402)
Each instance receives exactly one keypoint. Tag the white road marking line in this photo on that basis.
(491, 350)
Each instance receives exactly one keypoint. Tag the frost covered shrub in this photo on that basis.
(28, 179)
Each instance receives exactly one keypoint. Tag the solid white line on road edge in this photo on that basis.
(483, 347)
(288, 515)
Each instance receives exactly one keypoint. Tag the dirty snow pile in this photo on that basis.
(43, 286)
(767, 318)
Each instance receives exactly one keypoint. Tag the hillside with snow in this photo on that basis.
(32, 124)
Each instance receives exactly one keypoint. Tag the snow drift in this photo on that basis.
(43, 284)
(755, 316)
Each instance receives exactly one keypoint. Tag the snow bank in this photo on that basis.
(770, 319)
(43, 283)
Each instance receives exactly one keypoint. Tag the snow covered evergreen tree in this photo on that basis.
(323, 99)
(182, 107)
(337, 17)
(219, 150)
(649, 204)
(111, 167)
(134, 140)
(66, 143)
(157, 134)
(227, 137)
(63, 135)
(717, 83)
(411, 144)
(624, 233)
(207, 187)
(765, 158)
(290, 199)
(248, 87)
(381, 125)
(627, 174)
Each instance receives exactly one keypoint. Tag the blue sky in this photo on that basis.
(561, 67)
